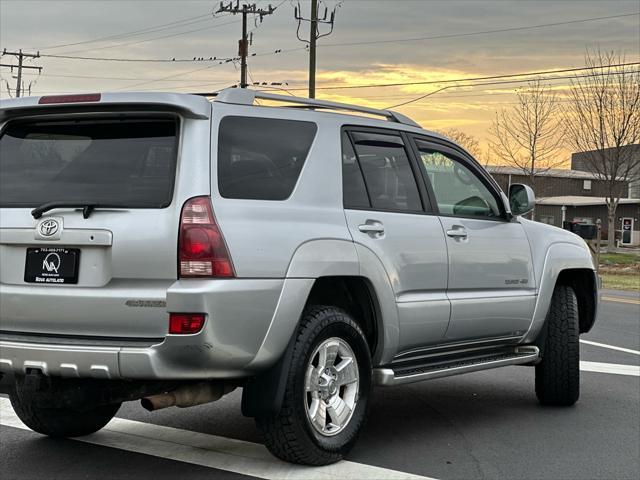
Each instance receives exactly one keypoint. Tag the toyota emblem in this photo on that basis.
(48, 228)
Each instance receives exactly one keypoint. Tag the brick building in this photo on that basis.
(553, 182)
(572, 195)
(630, 153)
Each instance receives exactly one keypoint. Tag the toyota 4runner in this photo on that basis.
(169, 248)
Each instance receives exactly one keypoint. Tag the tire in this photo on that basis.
(292, 435)
(58, 422)
(558, 374)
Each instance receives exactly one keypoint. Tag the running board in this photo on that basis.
(516, 356)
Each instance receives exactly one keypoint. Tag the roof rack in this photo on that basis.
(245, 96)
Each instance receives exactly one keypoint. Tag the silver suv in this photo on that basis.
(172, 247)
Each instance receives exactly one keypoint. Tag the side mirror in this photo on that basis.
(521, 199)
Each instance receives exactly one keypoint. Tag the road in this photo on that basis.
(474, 426)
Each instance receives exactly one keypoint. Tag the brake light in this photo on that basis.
(202, 251)
(185, 323)
(82, 98)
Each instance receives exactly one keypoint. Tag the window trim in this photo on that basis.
(459, 155)
(425, 200)
(346, 134)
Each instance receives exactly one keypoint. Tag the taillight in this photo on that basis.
(201, 248)
(185, 323)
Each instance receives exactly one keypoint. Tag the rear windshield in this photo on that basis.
(119, 162)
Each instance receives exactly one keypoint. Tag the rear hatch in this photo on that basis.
(90, 204)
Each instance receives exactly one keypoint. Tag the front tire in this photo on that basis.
(58, 422)
(327, 391)
(558, 374)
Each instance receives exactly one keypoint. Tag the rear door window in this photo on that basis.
(261, 158)
(118, 162)
(389, 177)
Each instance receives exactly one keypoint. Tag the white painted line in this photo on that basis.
(614, 368)
(612, 347)
(631, 301)
(212, 451)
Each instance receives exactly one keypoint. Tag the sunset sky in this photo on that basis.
(373, 42)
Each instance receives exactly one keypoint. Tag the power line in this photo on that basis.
(265, 85)
(218, 60)
(493, 77)
(167, 60)
(483, 32)
(210, 27)
(168, 77)
(182, 85)
(164, 26)
(200, 18)
(500, 83)
(92, 77)
(141, 60)
(68, 55)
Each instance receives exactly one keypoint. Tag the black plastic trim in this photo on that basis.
(84, 340)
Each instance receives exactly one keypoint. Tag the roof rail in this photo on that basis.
(245, 96)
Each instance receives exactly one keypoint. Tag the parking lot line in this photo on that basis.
(614, 368)
(631, 301)
(212, 451)
(612, 347)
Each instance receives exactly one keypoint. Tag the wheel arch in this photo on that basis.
(331, 272)
(263, 394)
(572, 265)
(355, 295)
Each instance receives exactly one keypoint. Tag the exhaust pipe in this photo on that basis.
(188, 396)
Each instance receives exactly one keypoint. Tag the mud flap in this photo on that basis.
(262, 396)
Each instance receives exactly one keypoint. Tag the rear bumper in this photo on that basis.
(243, 315)
(159, 362)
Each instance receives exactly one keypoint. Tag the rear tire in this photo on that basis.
(558, 374)
(58, 422)
(296, 434)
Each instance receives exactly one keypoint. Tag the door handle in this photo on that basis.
(371, 227)
(457, 232)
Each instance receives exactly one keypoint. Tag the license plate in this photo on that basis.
(52, 265)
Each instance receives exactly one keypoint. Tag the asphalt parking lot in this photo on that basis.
(474, 426)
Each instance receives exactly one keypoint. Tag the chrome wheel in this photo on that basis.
(331, 386)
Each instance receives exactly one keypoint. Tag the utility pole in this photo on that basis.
(243, 45)
(313, 32)
(314, 35)
(20, 55)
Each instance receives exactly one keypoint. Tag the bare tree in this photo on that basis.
(603, 116)
(529, 135)
(465, 140)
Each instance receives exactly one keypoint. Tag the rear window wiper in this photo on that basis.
(87, 207)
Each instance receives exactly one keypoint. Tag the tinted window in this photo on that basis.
(114, 162)
(354, 192)
(387, 172)
(261, 158)
(458, 191)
